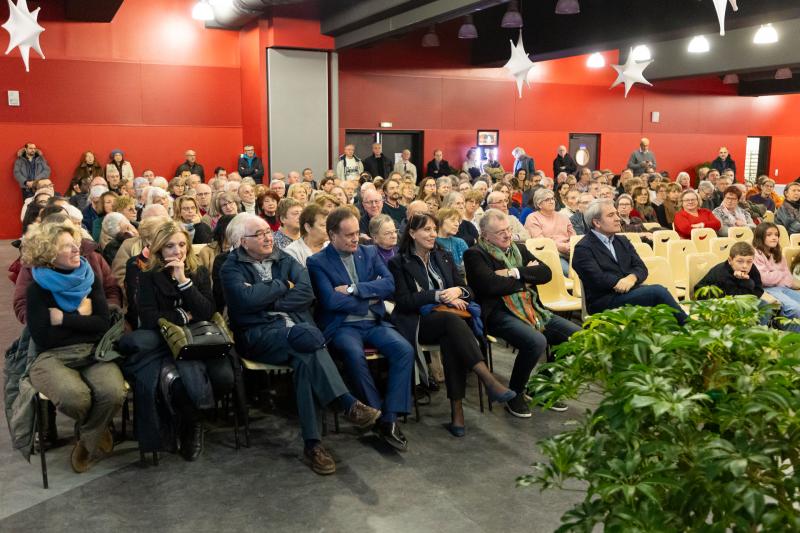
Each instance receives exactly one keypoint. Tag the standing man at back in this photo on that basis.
(250, 165)
(642, 161)
(191, 165)
(378, 164)
(30, 166)
(349, 167)
(405, 166)
(523, 161)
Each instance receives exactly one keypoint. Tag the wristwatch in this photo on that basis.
(351, 289)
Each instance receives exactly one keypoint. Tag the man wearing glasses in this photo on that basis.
(498, 200)
(191, 165)
(372, 201)
(251, 165)
(269, 296)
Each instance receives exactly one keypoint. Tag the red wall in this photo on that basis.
(436, 91)
(153, 83)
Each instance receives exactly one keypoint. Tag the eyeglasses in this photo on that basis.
(260, 235)
(504, 231)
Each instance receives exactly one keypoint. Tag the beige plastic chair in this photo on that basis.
(721, 247)
(789, 253)
(794, 240)
(745, 234)
(698, 265)
(785, 239)
(651, 226)
(643, 249)
(539, 244)
(676, 255)
(659, 273)
(633, 237)
(701, 237)
(660, 240)
(553, 294)
(577, 289)
(769, 216)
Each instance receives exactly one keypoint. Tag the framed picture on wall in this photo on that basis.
(488, 137)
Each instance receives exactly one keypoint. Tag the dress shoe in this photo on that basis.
(504, 397)
(362, 416)
(192, 441)
(456, 431)
(390, 432)
(106, 444)
(321, 461)
(81, 459)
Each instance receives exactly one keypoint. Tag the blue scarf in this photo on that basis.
(68, 289)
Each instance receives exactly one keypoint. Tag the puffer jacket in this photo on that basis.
(22, 169)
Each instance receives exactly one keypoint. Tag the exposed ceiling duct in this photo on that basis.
(234, 14)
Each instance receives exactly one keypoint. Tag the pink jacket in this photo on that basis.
(557, 227)
(773, 274)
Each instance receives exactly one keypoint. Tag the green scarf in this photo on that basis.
(524, 304)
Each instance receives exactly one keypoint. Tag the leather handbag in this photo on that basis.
(447, 309)
(199, 340)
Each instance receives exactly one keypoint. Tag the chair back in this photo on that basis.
(701, 237)
(794, 240)
(785, 240)
(676, 255)
(743, 234)
(643, 249)
(651, 226)
(537, 245)
(769, 216)
(721, 247)
(659, 273)
(553, 294)
(698, 265)
(660, 240)
(789, 253)
(633, 237)
(577, 288)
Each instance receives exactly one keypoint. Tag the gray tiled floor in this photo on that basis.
(441, 484)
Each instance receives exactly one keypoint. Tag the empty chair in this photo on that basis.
(785, 240)
(659, 273)
(553, 294)
(789, 253)
(721, 247)
(660, 240)
(697, 266)
(794, 240)
(633, 237)
(676, 255)
(701, 237)
(769, 216)
(743, 234)
(643, 249)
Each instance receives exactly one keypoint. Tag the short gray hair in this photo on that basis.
(154, 210)
(237, 228)
(451, 198)
(705, 185)
(160, 181)
(488, 216)
(595, 211)
(541, 195)
(113, 222)
(377, 223)
(443, 179)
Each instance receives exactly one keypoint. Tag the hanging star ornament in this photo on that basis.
(519, 63)
(23, 27)
(720, 6)
(631, 72)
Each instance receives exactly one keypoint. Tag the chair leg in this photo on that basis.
(236, 424)
(125, 415)
(480, 394)
(335, 421)
(38, 424)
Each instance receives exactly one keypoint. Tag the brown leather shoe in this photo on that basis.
(106, 444)
(80, 459)
(321, 461)
(362, 416)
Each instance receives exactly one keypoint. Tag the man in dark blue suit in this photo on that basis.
(351, 282)
(611, 271)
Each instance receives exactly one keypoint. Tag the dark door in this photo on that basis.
(363, 141)
(585, 141)
(395, 142)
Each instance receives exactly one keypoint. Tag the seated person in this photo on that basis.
(628, 221)
(737, 276)
(66, 307)
(776, 278)
(547, 222)
(448, 220)
(504, 276)
(269, 297)
(383, 233)
(576, 219)
(609, 268)
(765, 194)
(187, 212)
(351, 282)
(171, 286)
(731, 214)
(788, 214)
(312, 233)
(498, 200)
(426, 277)
(693, 216)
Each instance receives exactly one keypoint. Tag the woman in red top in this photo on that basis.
(693, 216)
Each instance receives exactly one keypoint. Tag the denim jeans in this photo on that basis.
(790, 304)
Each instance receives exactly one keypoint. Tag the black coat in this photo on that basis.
(216, 280)
(254, 170)
(378, 166)
(159, 297)
(599, 272)
(194, 168)
(721, 276)
(721, 165)
(433, 172)
(489, 288)
(203, 234)
(468, 232)
(564, 164)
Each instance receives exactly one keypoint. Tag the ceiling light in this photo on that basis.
(202, 10)
(596, 60)
(699, 45)
(468, 29)
(766, 34)
(641, 53)
(512, 18)
(783, 74)
(430, 39)
(568, 7)
(730, 79)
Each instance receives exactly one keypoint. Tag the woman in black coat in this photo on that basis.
(168, 392)
(426, 277)
(188, 213)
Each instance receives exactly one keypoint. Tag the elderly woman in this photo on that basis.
(289, 211)
(448, 220)
(628, 222)
(444, 186)
(313, 235)
(467, 231)
(177, 187)
(706, 191)
(173, 287)
(106, 206)
(268, 209)
(766, 194)
(298, 192)
(383, 233)
(472, 207)
(67, 315)
(666, 211)
(119, 165)
(429, 291)
(547, 222)
(433, 202)
(187, 212)
(407, 193)
(116, 228)
(127, 206)
(730, 213)
(225, 203)
(247, 197)
(693, 216)
(684, 180)
(338, 193)
(157, 195)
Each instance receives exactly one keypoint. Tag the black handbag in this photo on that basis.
(200, 340)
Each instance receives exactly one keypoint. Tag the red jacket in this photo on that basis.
(683, 222)
(99, 266)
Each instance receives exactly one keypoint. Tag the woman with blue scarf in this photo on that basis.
(432, 302)
(67, 315)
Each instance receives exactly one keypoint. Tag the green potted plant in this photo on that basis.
(697, 428)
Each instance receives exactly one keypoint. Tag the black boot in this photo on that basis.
(192, 440)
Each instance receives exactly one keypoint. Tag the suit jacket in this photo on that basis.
(599, 272)
(375, 284)
(378, 166)
(526, 163)
(490, 288)
(434, 172)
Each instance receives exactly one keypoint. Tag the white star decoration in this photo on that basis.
(720, 6)
(519, 63)
(23, 27)
(631, 72)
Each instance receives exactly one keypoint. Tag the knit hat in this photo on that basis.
(116, 151)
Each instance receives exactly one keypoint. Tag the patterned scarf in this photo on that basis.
(523, 304)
